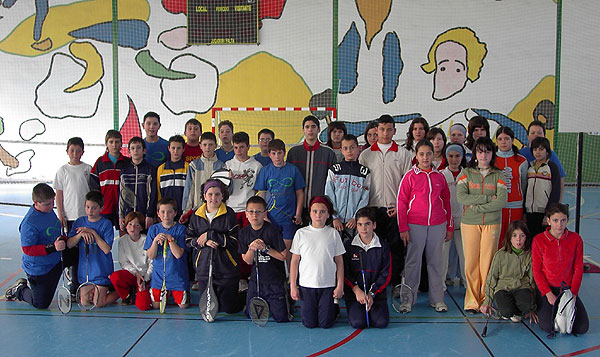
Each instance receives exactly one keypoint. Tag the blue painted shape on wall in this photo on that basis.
(132, 33)
(392, 66)
(348, 60)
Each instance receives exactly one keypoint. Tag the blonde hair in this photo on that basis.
(476, 50)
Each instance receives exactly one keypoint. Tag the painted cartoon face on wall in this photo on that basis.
(450, 76)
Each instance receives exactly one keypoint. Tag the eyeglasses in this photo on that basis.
(251, 211)
(265, 140)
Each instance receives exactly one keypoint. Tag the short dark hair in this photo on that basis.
(486, 143)
(177, 139)
(476, 122)
(537, 123)
(192, 121)
(113, 134)
(225, 122)
(208, 136)
(137, 139)
(76, 140)
(42, 192)
(95, 196)
(368, 212)
(424, 142)
(276, 144)
(541, 141)
(554, 208)
(313, 119)
(266, 131)
(167, 201)
(386, 119)
(221, 186)
(258, 200)
(151, 115)
(350, 137)
(513, 226)
(335, 125)
(241, 137)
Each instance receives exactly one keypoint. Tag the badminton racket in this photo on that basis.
(271, 199)
(259, 308)
(163, 290)
(64, 295)
(209, 306)
(402, 293)
(87, 293)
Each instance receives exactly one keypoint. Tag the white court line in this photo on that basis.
(5, 258)
(11, 215)
(588, 259)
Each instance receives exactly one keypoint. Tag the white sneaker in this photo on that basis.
(405, 308)
(515, 318)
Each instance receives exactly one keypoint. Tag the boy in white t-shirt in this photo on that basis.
(71, 185)
(317, 257)
(244, 171)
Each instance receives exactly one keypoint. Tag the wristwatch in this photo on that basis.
(266, 250)
(373, 295)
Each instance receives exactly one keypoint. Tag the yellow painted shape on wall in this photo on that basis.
(62, 19)
(262, 80)
(94, 71)
(523, 111)
(373, 13)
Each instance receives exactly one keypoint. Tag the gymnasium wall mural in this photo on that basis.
(70, 69)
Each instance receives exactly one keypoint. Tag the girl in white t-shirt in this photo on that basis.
(136, 268)
(317, 256)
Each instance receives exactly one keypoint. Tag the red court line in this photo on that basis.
(580, 352)
(342, 342)
(10, 277)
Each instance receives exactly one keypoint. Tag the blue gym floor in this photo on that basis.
(124, 330)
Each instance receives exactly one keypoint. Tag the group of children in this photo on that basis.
(361, 208)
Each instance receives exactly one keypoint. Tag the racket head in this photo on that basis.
(64, 300)
(406, 294)
(396, 300)
(259, 311)
(128, 196)
(209, 304)
(87, 296)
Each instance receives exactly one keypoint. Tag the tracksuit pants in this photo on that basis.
(546, 317)
(379, 315)
(480, 243)
(318, 309)
(41, 288)
(125, 283)
(275, 295)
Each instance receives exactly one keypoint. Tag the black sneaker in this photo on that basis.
(12, 291)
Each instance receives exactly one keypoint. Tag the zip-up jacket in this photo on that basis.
(424, 199)
(348, 187)
(223, 229)
(386, 172)
(313, 163)
(508, 271)
(377, 263)
(170, 181)
(141, 180)
(543, 187)
(557, 260)
(198, 172)
(104, 177)
(515, 175)
(475, 192)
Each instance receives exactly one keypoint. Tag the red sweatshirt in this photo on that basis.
(557, 260)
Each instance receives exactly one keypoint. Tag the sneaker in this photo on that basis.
(504, 317)
(440, 307)
(195, 286)
(243, 285)
(405, 308)
(11, 292)
(515, 318)
(472, 311)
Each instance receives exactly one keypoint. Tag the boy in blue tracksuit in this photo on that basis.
(261, 244)
(96, 232)
(138, 177)
(377, 265)
(347, 186)
(41, 243)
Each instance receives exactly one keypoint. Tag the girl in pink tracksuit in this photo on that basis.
(425, 222)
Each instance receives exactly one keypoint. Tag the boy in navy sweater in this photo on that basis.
(42, 243)
(261, 243)
(377, 264)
